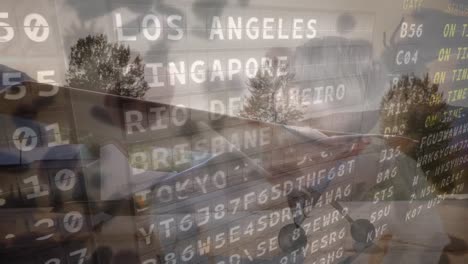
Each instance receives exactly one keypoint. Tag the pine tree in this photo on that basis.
(410, 106)
(95, 64)
(265, 103)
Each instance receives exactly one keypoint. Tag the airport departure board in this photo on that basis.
(233, 131)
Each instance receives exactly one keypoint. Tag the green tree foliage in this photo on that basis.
(265, 103)
(406, 107)
(414, 107)
(95, 64)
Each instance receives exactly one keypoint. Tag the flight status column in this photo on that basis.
(425, 57)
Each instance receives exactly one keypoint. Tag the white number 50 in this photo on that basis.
(35, 25)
